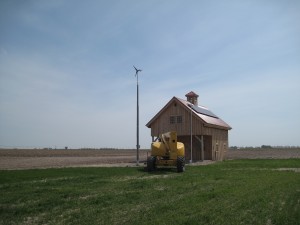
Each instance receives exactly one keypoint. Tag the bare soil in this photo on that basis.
(41, 158)
(259, 153)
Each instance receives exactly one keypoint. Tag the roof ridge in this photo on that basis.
(208, 117)
(191, 103)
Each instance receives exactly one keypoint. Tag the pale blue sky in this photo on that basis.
(66, 75)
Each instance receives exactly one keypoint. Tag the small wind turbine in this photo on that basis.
(137, 114)
(136, 71)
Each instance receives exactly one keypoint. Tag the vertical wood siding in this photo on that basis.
(215, 140)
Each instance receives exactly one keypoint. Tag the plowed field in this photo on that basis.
(40, 158)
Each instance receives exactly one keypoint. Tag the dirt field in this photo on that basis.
(32, 158)
(284, 153)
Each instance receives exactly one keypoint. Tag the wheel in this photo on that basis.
(180, 164)
(151, 166)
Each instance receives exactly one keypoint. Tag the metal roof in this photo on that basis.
(205, 114)
(202, 112)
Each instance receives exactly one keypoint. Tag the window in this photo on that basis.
(179, 119)
(175, 119)
(172, 119)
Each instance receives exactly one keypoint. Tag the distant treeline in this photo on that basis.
(265, 147)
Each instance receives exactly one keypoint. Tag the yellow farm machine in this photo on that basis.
(167, 152)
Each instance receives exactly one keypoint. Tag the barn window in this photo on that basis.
(179, 119)
(175, 119)
(172, 119)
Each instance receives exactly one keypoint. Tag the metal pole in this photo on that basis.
(202, 148)
(137, 120)
(191, 136)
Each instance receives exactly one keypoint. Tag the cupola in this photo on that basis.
(192, 97)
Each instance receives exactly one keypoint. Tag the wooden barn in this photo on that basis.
(204, 134)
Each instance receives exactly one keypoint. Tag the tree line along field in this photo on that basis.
(247, 191)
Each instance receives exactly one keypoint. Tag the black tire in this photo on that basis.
(180, 164)
(151, 166)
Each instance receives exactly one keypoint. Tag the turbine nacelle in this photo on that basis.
(137, 70)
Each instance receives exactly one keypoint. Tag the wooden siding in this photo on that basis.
(197, 147)
(162, 123)
(215, 139)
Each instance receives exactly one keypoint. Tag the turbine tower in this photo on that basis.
(137, 114)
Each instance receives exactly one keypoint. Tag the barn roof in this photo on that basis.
(201, 112)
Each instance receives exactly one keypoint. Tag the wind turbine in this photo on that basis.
(136, 70)
(137, 114)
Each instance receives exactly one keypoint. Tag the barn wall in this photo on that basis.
(162, 123)
(215, 140)
(197, 147)
(219, 144)
(186, 140)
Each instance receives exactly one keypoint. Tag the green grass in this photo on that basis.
(230, 192)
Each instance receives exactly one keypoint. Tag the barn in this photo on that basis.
(203, 133)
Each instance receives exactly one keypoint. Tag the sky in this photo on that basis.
(67, 76)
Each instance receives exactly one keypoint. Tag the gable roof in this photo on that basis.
(203, 113)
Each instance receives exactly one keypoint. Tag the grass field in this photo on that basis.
(230, 192)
